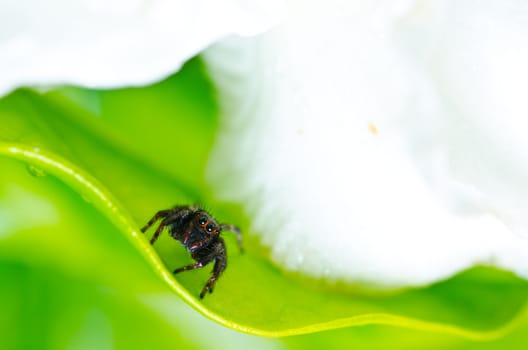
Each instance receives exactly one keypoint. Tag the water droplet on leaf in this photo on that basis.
(86, 198)
(35, 171)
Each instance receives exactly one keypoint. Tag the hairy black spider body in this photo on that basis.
(199, 233)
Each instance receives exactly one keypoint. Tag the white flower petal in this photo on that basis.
(118, 42)
(381, 141)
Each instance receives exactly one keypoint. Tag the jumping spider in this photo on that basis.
(199, 232)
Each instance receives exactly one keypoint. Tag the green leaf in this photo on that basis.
(82, 170)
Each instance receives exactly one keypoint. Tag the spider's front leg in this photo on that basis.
(219, 267)
(201, 263)
(197, 265)
(160, 214)
(169, 216)
(236, 230)
(166, 215)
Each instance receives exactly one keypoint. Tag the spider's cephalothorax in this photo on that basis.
(199, 232)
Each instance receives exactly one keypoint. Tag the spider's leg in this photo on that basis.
(160, 214)
(236, 230)
(220, 258)
(163, 224)
(197, 265)
(219, 267)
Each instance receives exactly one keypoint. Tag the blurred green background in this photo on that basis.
(74, 275)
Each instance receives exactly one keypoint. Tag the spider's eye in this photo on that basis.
(209, 228)
(202, 220)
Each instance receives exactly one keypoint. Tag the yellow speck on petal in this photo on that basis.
(372, 128)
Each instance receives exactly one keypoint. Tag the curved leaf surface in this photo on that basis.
(102, 162)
